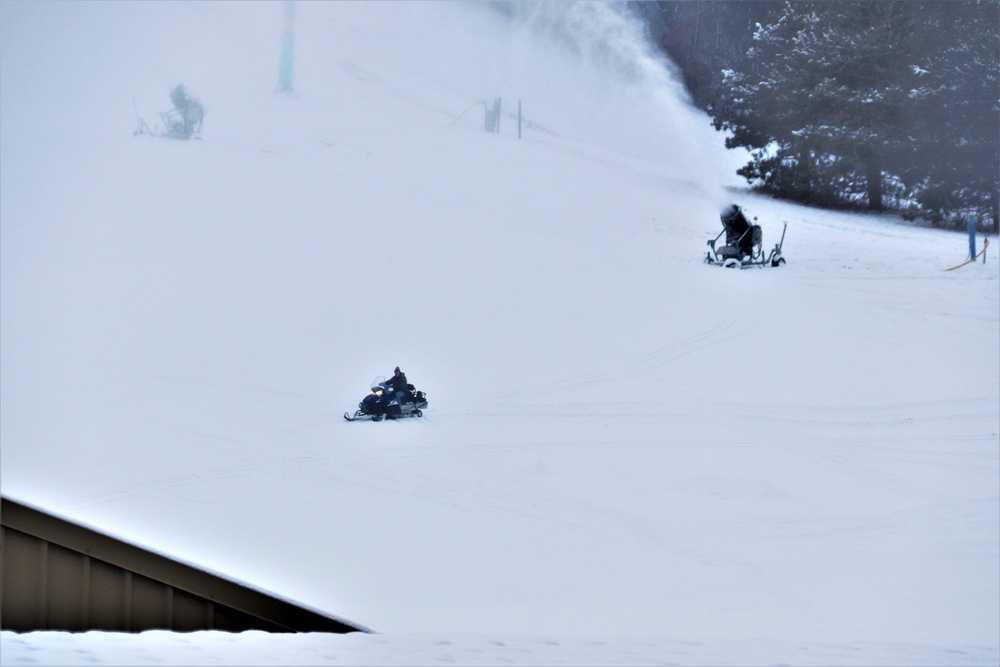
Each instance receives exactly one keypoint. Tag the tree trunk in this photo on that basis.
(873, 174)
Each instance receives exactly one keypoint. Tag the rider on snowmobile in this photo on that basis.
(395, 387)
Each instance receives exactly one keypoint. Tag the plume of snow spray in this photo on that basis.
(597, 57)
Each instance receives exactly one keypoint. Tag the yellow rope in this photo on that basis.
(986, 244)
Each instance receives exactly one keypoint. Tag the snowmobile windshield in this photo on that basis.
(378, 382)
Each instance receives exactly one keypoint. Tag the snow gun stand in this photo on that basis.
(744, 245)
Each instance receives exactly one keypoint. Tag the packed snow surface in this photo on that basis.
(629, 456)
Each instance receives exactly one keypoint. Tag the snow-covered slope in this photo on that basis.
(620, 439)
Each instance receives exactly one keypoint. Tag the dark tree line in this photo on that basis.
(878, 104)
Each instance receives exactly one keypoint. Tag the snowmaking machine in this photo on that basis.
(184, 121)
(744, 245)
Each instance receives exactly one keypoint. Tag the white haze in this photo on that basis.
(629, 457)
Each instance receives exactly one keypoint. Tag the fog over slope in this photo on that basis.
(620, 439)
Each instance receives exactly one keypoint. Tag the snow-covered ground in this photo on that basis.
(354, 650)
(629, 457)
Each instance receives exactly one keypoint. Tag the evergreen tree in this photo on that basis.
(954, 114)
(883, 104)
(704, 37)
(819, 99)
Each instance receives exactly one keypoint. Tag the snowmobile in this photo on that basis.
(744, 243)
(375, 408)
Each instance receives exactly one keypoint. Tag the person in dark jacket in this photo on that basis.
(395, 387)
(398, 384)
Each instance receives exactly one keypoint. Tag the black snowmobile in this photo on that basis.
(744, 243)
(380, 403)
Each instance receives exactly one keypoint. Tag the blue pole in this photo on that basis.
(287, 57)
(972, 238)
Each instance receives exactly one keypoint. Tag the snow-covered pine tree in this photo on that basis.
(953, 114)
(704, 37)
(818, 101)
